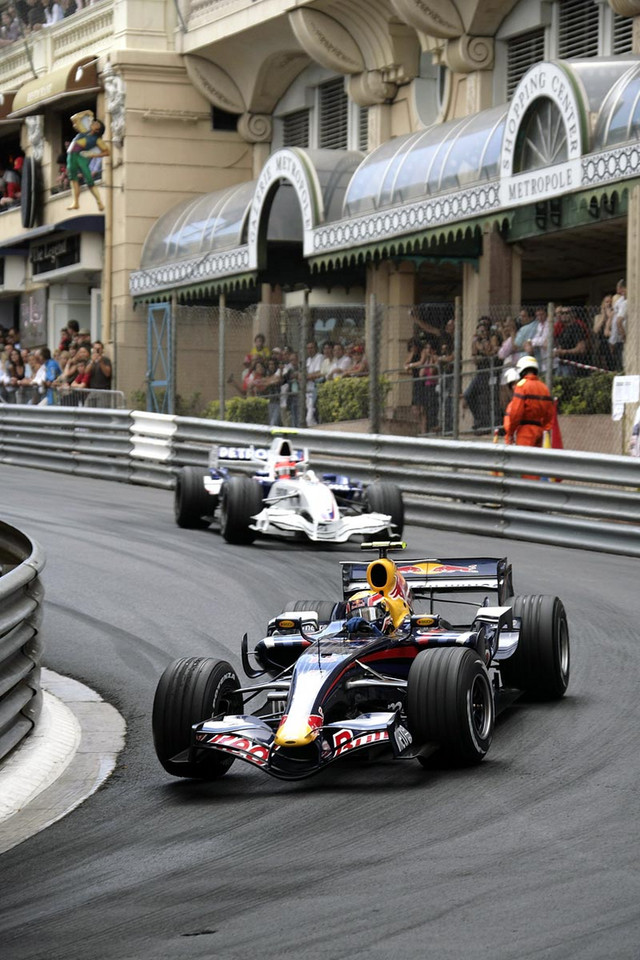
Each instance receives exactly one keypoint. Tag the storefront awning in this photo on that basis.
(35, 95)
(6, 106)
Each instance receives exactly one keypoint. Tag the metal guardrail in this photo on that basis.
(451, 485)
(21, 595)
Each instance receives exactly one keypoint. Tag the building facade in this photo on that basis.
(264, 151)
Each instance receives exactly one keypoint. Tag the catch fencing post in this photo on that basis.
(373, 358)
(302, 361)
(457, 362)
(222, 319)
(548, 347)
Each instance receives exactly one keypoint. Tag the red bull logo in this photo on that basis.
(451, 568)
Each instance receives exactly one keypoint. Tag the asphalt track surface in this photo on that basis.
(532, 854)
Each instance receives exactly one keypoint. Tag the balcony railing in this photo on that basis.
(38, 51)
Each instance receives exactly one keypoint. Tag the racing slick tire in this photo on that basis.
(240, 501)
(450, 703)
(540, 664)
(324, 608)
(191, 690)
(191, 501)
(383, 497)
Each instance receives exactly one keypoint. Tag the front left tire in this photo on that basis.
(191, 502)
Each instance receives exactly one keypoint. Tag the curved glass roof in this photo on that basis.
(445, 156)
(205, 224)
(619, 116)
(216, 221)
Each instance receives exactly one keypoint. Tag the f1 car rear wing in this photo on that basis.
(426, 577)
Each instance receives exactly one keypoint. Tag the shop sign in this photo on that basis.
(536, 185)
(285, 166)
(55, 254)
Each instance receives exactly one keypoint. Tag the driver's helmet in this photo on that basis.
(369, 606)
(285, 469)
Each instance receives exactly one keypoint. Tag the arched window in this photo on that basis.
(542, 140)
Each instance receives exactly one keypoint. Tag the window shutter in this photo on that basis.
(622, 34)
(334, 105)
(578, 29)
(363, 129)
(523, 52)
(295, 129)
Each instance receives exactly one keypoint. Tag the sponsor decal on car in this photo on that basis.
(256, 753)
(402, 738)
(344, 740)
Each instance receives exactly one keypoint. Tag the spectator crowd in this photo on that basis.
(24, 17)
(582, 341)
(33, 376)
(274, 373)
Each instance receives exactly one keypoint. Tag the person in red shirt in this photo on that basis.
(531, 409)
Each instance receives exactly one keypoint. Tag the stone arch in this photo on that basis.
(295, 167)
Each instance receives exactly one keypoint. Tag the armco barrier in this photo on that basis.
(21, 593)
(451, 485)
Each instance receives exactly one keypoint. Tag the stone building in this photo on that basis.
(345, 148)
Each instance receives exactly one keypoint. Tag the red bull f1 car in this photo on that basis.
(283, 498)
(417, 658)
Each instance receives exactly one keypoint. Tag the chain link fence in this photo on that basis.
(430, 369)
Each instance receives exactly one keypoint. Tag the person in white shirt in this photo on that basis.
(537, 345)
(340, 363)
(52, 13)
(618, 326)
(314, 372)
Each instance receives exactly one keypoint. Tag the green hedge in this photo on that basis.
(240, 410)
(590, 394)
(347, 398)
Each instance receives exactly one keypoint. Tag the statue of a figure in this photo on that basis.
(86, 144)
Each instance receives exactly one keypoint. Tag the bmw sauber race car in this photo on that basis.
(284, 497)
(416, 658)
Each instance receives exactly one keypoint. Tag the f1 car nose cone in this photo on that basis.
(292, 733)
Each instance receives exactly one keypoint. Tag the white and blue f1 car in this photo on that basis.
(284, 497)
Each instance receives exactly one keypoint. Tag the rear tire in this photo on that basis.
(383, 497)
(189, 691)
(191, 501)
(541, 662)
(324, 608)
(450, 703)
(240, 501)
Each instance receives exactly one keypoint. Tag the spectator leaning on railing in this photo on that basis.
(99, 368)
(570, 339)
